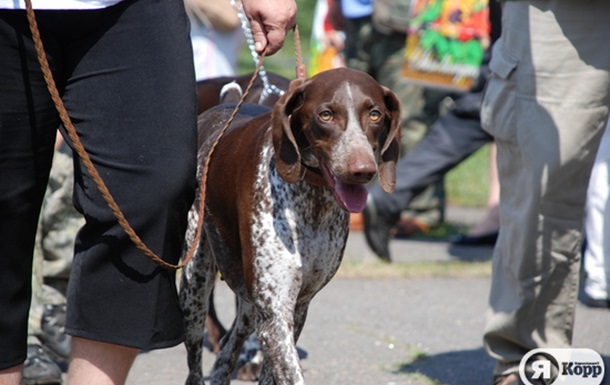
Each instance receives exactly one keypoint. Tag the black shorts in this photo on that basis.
(126, 76)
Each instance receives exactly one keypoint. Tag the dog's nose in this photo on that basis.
(362, 170)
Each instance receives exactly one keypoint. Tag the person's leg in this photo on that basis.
(28, 123)
(39, 367)
(596, 266)
(547, 128)
(420, 108)
(451, 139)
(11, 376)
(356, 34)
(140, 129)
(139, 126)
(99, 363)
(381, 55)
(48, 345)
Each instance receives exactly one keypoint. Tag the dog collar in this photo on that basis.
(313, 176)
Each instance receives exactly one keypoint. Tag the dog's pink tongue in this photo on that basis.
(351, 196)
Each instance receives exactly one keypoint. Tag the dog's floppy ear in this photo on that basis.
(287, 155)
(390, 145)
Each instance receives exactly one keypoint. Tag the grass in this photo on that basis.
(468, 184)
(417, 269)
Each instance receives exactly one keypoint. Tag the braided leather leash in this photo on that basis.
(82, 153)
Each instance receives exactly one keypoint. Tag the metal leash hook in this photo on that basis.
(268, 88)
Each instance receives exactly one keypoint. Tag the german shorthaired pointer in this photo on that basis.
(208, 95)
(280, 187)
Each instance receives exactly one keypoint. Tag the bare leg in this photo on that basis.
(11, 376)
(99, 363)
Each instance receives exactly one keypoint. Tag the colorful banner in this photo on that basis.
(446, 41)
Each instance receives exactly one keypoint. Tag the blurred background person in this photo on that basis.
(216, 37)
(48, 344)
(595, 287)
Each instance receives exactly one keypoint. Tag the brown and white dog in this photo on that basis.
(280, 187)
(209, 93)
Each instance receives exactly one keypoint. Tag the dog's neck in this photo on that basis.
(313, 176)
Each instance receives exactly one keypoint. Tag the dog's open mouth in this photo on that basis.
(351, 197)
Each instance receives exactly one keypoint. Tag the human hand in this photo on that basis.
(270, 20)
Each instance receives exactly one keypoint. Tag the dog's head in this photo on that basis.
(343, 124)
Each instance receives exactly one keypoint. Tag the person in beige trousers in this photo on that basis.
(546, 105)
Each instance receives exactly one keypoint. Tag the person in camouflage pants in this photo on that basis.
(48, 346)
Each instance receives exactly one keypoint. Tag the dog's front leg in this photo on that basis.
(277, 291)
(267, 377)
(281, 355)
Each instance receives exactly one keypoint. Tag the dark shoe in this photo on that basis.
(377, 230)
(588, 301)
(53, 337)
(408, 227)
(39, 368)
(488, 239)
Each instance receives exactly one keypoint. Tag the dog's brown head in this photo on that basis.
(343, 124)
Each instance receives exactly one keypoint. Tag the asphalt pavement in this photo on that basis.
(386, 330)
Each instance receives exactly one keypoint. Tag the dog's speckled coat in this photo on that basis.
(279, 190)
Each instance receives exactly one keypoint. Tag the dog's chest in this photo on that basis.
(296, 226)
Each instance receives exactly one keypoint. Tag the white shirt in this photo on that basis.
(58, 4)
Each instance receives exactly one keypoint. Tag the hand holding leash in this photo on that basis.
(270, 20)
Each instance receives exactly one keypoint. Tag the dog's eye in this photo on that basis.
(375, 115)
(326, 115)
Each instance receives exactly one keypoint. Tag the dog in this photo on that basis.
(209, 95)
(280, 186)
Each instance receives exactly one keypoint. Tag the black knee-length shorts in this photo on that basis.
(126, 76)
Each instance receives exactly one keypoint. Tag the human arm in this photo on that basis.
(270, 20)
